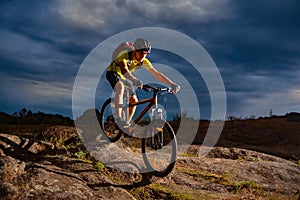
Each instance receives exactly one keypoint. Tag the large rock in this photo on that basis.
(20, 180)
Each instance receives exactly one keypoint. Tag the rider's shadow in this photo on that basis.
(145, 180)
(116, 157)
(22, 148)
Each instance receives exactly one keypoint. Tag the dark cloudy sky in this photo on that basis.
(255, 45)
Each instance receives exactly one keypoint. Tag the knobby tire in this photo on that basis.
(106, 111)
(168, 133)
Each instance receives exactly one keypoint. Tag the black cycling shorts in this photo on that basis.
(113, 78)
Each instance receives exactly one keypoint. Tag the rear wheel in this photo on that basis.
(107, 121)
(159, 148)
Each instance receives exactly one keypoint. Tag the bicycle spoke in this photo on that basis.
(159, 149)
(107, 121)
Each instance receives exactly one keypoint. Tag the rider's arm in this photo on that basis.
(164, 79)
(160, 76)
(125, 71)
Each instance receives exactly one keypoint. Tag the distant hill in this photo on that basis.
(293, 117)
(275, 135)
(27, 117)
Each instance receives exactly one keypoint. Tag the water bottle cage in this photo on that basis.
(156, 113)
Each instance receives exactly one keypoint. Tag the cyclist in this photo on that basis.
(119, 73)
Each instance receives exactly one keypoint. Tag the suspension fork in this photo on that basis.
(156, 133)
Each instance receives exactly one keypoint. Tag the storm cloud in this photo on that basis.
(255, 45)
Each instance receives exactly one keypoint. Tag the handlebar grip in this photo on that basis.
(147, 88)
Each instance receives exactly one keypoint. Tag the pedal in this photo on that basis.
(159, 129)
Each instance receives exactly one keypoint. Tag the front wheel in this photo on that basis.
(107, 121)
(159, 148)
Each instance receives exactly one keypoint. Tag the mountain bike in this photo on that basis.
(159, 144)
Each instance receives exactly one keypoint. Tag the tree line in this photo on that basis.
(27, 117)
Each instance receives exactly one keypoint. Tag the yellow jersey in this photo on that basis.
(133, 65)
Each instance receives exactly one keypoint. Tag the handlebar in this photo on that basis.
(149, 88)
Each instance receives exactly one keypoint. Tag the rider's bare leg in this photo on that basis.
(119, 88)
(132, 99)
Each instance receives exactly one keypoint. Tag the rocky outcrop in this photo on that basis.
(44, 180)
(43, 172)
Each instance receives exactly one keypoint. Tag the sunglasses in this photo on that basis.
(144, 51)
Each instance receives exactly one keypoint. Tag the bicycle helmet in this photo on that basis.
(141, 44)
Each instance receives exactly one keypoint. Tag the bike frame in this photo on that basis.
(152, 101)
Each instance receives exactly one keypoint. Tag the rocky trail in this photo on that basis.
(58, 169)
